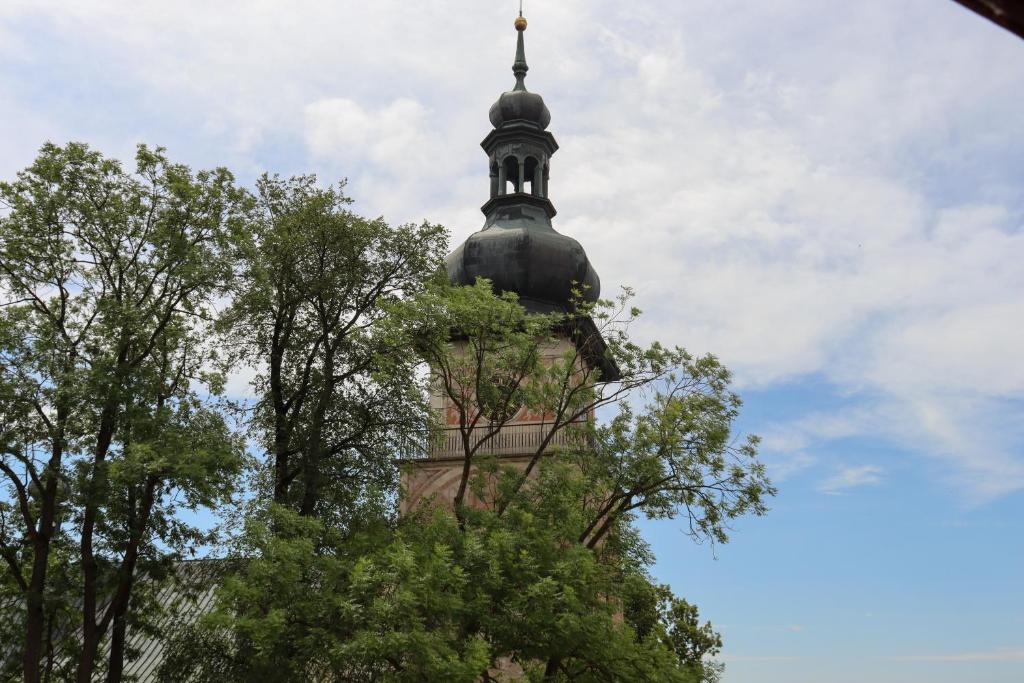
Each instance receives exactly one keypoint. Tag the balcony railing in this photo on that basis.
(518, 438)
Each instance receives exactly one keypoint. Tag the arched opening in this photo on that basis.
(532, 182)
(511, 182)
(494, 178)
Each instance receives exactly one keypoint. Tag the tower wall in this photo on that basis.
(437, 476)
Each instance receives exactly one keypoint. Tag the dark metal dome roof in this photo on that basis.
(519, 251)
(520, 105)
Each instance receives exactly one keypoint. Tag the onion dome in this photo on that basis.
(520, 255)
(520, 106)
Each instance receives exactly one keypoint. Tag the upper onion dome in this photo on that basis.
(519, 105)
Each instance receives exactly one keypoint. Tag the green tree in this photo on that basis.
(547, 574)
(676, 455)
(428, 600)
(655, 612)
(334, 387)
(108, 281)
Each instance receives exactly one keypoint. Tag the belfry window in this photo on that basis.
(512, 181)
(531, 176)
(514, 175)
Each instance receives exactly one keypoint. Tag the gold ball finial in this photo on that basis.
(520, 23)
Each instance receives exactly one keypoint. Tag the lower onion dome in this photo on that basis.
(540, 265)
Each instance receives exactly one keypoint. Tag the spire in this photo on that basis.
(519, 68)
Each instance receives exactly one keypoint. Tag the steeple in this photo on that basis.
(518, 249)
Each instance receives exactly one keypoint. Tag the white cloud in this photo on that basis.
(239, 384)
(792, 250)
(783, 464)
(841, 203)
(387, 137)
(851, 477)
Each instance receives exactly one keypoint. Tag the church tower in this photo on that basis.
(519, 251)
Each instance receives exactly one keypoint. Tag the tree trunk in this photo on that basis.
(118, 634)
(122, 597)
(315, 441)
(35, 622)
(281, 431)
(91, 632)
(552, 668)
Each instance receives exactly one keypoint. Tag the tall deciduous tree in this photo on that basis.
(108, 280)
(334, 388)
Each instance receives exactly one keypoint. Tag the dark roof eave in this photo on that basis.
(1006, 13)
(519, 129)
(588, 339)
(514, 198)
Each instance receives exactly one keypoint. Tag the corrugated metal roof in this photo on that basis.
(185, 597)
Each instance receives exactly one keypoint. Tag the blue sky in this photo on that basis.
(826, 194)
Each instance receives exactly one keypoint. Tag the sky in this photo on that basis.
(825, 194)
